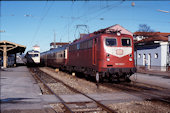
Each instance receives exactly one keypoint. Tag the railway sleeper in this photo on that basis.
(84, 107)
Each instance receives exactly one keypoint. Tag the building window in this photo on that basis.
(139, 55)
(156, 55)
(144, 56)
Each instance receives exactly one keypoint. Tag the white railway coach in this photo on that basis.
(32, 57)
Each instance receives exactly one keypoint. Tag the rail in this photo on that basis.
(105, 108)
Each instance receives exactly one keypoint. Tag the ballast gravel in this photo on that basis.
(141, 107)
(81, 85)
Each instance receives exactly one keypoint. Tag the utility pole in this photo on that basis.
(2, 31)
(54, 39)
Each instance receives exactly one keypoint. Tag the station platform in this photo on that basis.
(151, 76)
(20, 92)
(155, 71)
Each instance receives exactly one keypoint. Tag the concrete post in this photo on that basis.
(15, 62)
(5, 56)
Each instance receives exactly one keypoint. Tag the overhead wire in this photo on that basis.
(106, 9)
(46, 10)
(91, 13)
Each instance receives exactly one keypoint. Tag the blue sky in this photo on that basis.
(34, 22)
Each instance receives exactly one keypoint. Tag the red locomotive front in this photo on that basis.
(116, 56)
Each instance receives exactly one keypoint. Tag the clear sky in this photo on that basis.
(34, 22)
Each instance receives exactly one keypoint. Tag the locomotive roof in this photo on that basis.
(92, 35)
(33, 51)
(55, 50)
(109, 30)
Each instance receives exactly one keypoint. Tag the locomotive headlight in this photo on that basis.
(130, 59)
(108, 59)
(130, 55)
(118, 33)
(108, 55)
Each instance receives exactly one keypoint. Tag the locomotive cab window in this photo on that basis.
(126, 42)
(34, 55)
(110, 42)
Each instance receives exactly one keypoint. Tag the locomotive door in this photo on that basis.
(94, 51)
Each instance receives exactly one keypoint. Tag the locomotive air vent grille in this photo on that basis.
(109, 65)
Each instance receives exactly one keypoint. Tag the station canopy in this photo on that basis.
(7, 47)
(11, 48)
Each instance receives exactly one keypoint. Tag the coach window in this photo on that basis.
(61, 55)
(110, 42)
(126, 42)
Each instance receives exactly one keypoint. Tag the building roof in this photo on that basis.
(152, 36)
(12, 47)
(36, 45)
(114, 28)
(118, 27)
(58, 43)
(165, 34)
(151, 33)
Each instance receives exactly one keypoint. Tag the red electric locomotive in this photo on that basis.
(103, 55)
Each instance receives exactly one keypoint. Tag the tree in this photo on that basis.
(146, 31)
(144, 28)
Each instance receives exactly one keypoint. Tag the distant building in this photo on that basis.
(57, 44)
(153, 51)
(36, 48)
(118, 27)
(139, 35)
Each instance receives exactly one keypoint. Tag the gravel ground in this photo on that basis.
(90, 88)
(57, 88)
(54, 85)
(58, 107)
(44, 90)
(141, 107)
(80, 84)
(46, 110)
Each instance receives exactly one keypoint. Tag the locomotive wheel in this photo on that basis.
(127, 79)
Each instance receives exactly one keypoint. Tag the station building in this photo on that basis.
(54, 45)
(8, 53)
(152, 52)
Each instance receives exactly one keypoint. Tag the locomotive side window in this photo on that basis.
(78, 46)
(73, 47)
(110, 42)
(126, 42)
(90, 43)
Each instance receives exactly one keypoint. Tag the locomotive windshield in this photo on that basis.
(34, 55)
(126, 42)
(111, 42)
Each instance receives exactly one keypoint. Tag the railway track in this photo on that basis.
(74, 107)
(146, 91)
